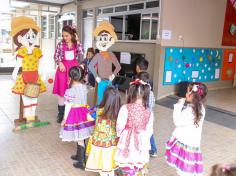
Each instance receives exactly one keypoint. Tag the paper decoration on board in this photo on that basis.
(125, 58)
(229, 34)
(192, 64)
(229, 64)
(166, 34)
(168, 76)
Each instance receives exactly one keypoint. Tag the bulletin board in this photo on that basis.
(192, 64)
(229, 63)
(229, 33)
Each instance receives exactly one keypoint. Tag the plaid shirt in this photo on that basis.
(59, 54)
(151, 100)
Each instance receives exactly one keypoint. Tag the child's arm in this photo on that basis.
(69, 96)
(121, 120)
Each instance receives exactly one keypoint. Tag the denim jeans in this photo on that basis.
(153, 145)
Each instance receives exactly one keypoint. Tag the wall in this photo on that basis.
(68, 8)
(200, 22)
(144, 48)
(136, 47)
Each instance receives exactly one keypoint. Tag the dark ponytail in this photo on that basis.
(198, 100)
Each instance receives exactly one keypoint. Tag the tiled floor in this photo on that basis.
(224, 99)
(39, 152)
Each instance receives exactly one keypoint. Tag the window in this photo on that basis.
(154, 26)
(149, 26)
(136, 6)
(145, 30)
(99, 11)
(107, 10)
(152, 4)
(121, 8)
(117, 22)
(132, 26)
(87, 13)
(137, 21)
(44, 26)
(51, 26)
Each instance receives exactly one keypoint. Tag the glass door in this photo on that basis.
(7, 61)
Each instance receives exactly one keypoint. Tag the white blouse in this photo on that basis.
(186, 131)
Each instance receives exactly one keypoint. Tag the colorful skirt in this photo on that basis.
(126, 171)
(77, 127)
(62, 78)
(187, 160)
(19, 86)
(101, 159)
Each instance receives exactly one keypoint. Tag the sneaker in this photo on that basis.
(153, 155)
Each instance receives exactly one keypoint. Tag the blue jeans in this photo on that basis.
(102, 86)
(153, 145)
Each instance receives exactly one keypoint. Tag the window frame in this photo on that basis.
(150, 11)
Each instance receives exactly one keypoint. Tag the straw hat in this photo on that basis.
(22, 22)
(105, 26)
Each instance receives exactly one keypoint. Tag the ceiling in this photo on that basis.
(56, 1)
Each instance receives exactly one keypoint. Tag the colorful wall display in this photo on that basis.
(192, 64)
(229, 34)
(229, 63)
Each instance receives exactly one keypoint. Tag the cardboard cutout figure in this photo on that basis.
(29, 83)
(105, 38)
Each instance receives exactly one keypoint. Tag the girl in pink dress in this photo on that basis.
(66, 56)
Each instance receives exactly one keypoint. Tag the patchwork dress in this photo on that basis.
(30, 66)
(183, 149)
(134, 127)
(102, 145)
(77, 127)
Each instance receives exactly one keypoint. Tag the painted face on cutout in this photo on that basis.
(28, 40)
(104, 41)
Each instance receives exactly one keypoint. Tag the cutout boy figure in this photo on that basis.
(105, 38)
(29, 83)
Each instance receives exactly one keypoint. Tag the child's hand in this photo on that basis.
(89, 117)
(62, 67)
(63, 123)
(182, 100)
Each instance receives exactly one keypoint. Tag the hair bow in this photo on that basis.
(198, 89)
(138, 82)
(225, 168)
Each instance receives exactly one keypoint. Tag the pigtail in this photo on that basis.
(199, 92)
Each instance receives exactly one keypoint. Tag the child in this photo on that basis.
(183, 149)
(224, 170)
(134, 127)
(66, 56)
(141, 67)
(75, 126)
(144, 76)
(104, 139)
(86, 61)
